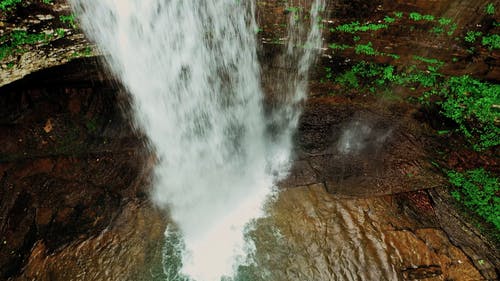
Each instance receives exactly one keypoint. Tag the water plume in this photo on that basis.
(192, 70)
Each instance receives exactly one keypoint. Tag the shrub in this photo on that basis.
(473, 105)
(478, 191)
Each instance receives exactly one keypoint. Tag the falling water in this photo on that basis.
(192, 70)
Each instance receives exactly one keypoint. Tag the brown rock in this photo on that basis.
(43, 216)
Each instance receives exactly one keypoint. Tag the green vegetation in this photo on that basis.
(69, 20)
(429, 60)
(418, 17)
(398, 14)
(8, 4)
(388, 19)
(491, 41)
(354, 27)
(490, 9)
(472, 35)
(473, 105)
(366, 49)
(478, 191)
(444, 21)
(14, 42)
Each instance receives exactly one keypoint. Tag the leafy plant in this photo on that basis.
(429, 60)
(478, 191)
(472, 35)
(418, 17)
(490, 9)
(366, 49)
(491, 41)
(8, 4)
(69, 20)
(14, 42)
(473, 105)
(444, 21)
(388, 19)
(354, 27)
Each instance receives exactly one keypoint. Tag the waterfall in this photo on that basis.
(192, 70)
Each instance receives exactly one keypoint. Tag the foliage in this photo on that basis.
(429, 60)
(418, 17)
(398, 14)
(366, 49)
(388, 19)
(473, 105)
(478, 191)
(444, 21)
(354, 27)
(491, 41)
(8, 4)
(472, 35)
(14, 42)
(490, 9)
(69, 20)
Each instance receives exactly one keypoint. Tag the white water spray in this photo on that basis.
(192, 69)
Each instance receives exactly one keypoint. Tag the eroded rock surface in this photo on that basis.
(69, 164)
(363, 201)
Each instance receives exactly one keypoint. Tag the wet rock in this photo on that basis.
(481, 250)
(422, 272)
(351, 239)
(361, 151)
(130, 249)
(72, 165)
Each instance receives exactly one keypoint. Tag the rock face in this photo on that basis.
(362, 151)
(352, 239)
(62, 40)
(69, 164)
(363, 200)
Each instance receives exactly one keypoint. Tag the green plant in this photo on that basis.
(366, 49)
(388, 19)
(444, 21)
(429, 60)
(398, 14)
(491, 41)
(69, 20)
(490, 9)
(453, 27)
(60, 32)
(472, 35)
(473, 105)
(354, 27)
(418, 17)
(478, 190)
(437, 30)
(14, 42)
(8, 4)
